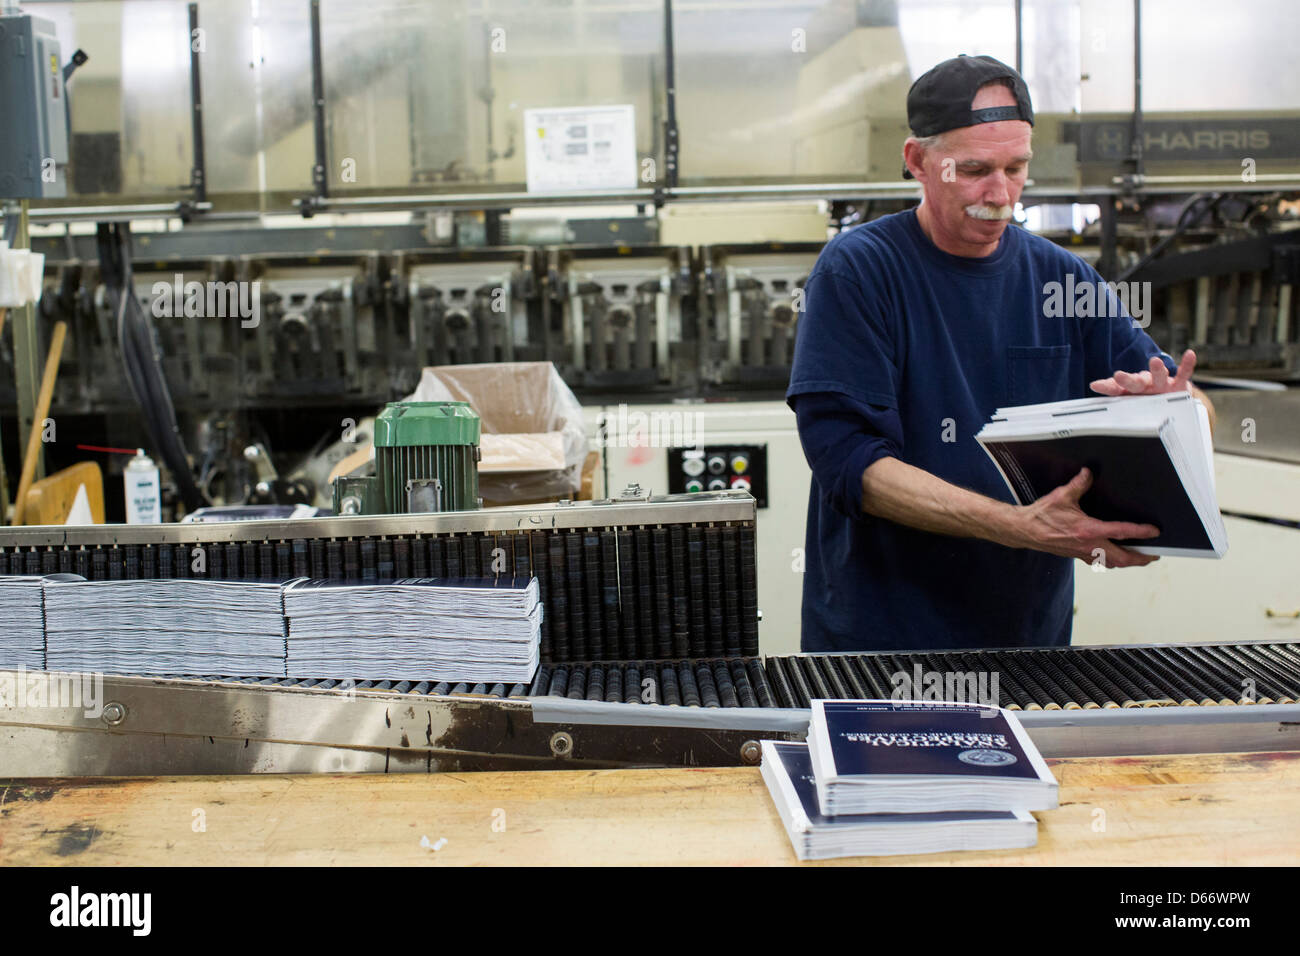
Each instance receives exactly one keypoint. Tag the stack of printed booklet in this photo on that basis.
(1151, 459)
(480, 630)
(22, 636)
(441, 629)
(886, 777)
(163, 626)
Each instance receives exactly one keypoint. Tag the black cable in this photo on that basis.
(142, 362)
(1181, 225)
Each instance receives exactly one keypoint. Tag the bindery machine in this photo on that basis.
(650, 657)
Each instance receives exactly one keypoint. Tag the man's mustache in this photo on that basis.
(988, 212)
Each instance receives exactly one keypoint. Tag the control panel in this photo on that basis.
(719, 468)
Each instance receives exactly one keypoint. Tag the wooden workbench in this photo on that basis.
(1209, 809)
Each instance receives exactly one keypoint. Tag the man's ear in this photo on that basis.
(914, 158)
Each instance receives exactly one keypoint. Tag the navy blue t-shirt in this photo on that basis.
(904, 350)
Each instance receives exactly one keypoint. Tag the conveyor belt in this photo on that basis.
(1067, 678)
(1074, 702)
(659, 578)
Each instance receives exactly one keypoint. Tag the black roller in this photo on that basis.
(727, 696)
(715, 603)
(731, 589)
(668, 691)
(644, 593)
(707, 686)
(628, 616)
(782, 688)
(632, 684)
(831, 678)
(1204, 666)
(470, 566)
(438, 566)
(577, 596)
(541, 682)
(697, 578)
(1272, 660)
(748, 594)
(596, 682)
(558, 607)
(1018, 697)
(1180, 691)
(519, 549)
(1033, 664)
(316, 556)
(577, 682)
(744, 689)
(663, 584)
(402, 558)
(680, 594)
(848, 677)
(1149, 695)
(453, 554)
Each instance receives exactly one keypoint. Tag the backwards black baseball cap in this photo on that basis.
(940, 99)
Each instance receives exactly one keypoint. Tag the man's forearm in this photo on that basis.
(912, 496)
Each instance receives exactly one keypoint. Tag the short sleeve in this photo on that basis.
(841, 438)
(844, 342)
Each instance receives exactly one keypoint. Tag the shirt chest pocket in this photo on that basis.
(1038, 373)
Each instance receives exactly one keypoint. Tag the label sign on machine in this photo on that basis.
(719, 468)
(582, 147)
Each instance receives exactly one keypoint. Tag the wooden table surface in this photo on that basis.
(1241, 809)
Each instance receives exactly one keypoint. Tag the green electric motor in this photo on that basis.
(426, 452)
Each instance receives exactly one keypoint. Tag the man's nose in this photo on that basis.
(997, 190)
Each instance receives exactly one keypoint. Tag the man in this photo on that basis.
(916, 327)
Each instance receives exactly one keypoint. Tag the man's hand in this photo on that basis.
(1154, 382)
(1056, 524)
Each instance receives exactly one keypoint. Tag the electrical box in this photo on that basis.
(728, 467)
(33, 111)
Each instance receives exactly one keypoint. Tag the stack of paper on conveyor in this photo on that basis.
(1151, 459)
(883, 777)
(22, 623)
(165, 626)
(445, 629)
(788, 772)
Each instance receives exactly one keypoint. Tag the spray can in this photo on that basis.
(143, 493)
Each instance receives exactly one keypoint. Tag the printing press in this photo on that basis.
(650, 657)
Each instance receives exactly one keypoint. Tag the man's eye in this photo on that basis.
(1015, 170)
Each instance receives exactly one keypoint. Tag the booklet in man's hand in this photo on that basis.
(1151, 459)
